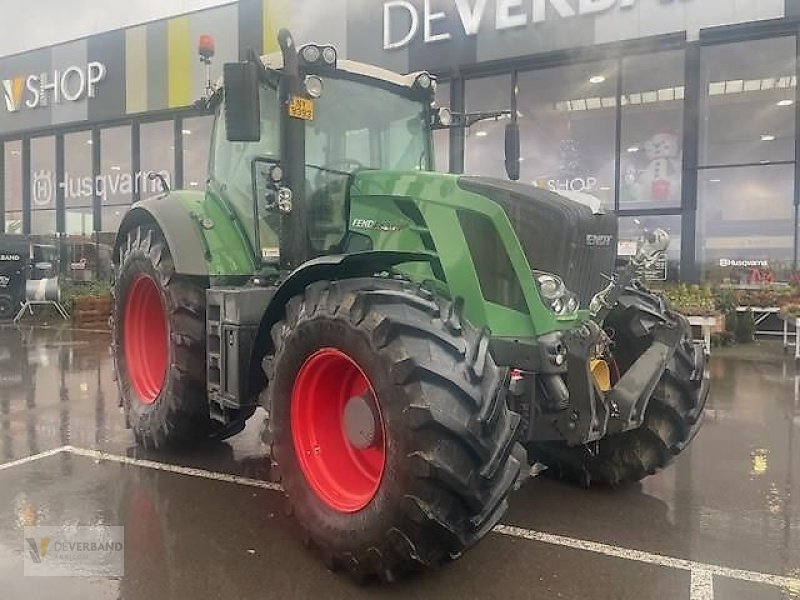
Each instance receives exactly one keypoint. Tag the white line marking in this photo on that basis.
(192, 472)
(646, 557)
(702, 585)
(29, 459)
(702, 574)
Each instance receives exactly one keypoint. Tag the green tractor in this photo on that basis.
(418, 340)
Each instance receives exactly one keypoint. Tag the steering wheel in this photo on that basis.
(339, 168)
(345, 164)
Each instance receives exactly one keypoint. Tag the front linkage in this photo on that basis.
(588, 431)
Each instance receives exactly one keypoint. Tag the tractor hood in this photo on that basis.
(571, 238)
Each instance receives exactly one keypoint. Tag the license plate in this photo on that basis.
(301, 108)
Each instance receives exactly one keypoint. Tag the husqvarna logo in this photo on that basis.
(599, 241)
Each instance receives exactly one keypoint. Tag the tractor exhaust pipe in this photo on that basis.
(294, 230)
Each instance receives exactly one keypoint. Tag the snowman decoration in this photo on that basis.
(660, 180)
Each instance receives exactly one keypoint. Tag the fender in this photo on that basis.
(324, 268)
(202, 234)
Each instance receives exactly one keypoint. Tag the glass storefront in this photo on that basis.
(567, 118)
(196, 132)
(12, 185)
(42, 177)
(78, 184)
(483, 154)
(651, 155)
(746, 180)
(698, 139)
(156, 154)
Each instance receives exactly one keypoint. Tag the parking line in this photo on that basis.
(647, 557)
(158, 466)
(702, 574)
(29, 459)
(702, 585)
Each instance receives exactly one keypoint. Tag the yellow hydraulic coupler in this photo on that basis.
(602, 374)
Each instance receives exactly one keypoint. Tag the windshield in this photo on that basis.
(357, 126)
(364, 126)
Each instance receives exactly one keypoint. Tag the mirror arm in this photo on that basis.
(469, 119)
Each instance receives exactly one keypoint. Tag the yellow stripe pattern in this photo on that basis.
(136, 70)
(275, 15)
(179, 61)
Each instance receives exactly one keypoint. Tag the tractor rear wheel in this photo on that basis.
(389, 426)
(674, 413)
(159, 345)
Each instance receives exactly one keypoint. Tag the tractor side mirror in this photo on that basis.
(512, 151)
(242, 106)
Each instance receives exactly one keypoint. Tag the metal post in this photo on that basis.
(61, 217)
(691, 148)
(294, 243)
(618, 147)
(177, 182)
(458, 133)
(26, 186)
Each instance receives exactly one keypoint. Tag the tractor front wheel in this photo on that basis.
(389, 426)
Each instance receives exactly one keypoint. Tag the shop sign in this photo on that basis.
(43, 185)
(473, 16)
(577, 184)
(43, 89)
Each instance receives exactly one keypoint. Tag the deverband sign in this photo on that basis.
(474, 15)
(60, 85)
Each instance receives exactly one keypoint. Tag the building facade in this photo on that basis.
(680, 114)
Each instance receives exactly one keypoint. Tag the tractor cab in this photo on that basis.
(287, 173)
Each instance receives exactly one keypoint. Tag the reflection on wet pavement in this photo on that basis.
(731, 499)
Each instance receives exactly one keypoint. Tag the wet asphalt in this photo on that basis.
(732, 500)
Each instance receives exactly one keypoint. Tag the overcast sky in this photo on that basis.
(35, 23)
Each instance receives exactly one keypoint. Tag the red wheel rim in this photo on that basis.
(145, 339)
(343, 475)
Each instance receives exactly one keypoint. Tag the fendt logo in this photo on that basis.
(43, 89)
(599, 241)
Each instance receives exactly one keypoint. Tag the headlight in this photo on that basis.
(424, 81)
(313, 86)
(445, 116)
(555, 294)
(329, 55)
(310, 53)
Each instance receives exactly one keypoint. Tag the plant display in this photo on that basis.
(692, 300)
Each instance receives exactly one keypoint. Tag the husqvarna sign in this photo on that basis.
(44, 89)
(477, 14)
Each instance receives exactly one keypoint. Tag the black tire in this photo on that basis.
(451, 456)
(674, 413)
(179, 415)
